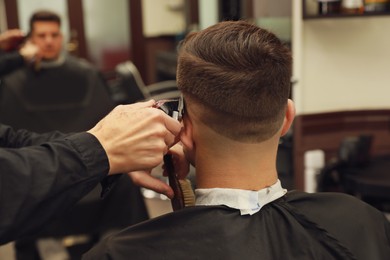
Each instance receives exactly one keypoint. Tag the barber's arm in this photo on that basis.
(11, 138)
(38, 182)
(10, 62)
(15, 52)
(10, 39)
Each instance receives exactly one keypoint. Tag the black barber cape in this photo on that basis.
(296, 226)
(40, 180)
(71, 96)
(10, 61)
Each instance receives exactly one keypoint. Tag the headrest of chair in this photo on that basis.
(356, 150)
(130, 82)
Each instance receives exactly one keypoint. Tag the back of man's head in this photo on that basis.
(44, 16)
(239, 74)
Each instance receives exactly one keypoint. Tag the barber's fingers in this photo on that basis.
(13, 33)
(143, 104)
(144, 179)
(172, 125)
(148, 103)
(170, 140)
(180, 162)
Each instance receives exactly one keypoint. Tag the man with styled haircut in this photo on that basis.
(56, 91)
(235, 80)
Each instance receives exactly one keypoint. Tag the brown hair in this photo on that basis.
(240, 74)
(44, 16)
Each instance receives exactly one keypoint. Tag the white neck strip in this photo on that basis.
(247, 201)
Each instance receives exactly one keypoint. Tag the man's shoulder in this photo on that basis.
(18, 77)
(350, 220)
(155, 237)
(325, 201)
(297, 197)
(77, 63)
(328, 208)
(190, 217)
(216, 231)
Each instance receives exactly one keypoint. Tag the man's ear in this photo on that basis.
(186, 133)
(289, 117)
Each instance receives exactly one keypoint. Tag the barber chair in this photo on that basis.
(130, 87)
(358, 173)
(72, 104)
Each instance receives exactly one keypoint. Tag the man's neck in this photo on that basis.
(53, 63)
(240, 166)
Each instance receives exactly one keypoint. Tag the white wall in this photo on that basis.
(3, 20)
(341, 64)
(163, 17)
(208, 13)
(265, 8)
(111, 33)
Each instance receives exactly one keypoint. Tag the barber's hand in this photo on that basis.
(10, 39)
(30, 52)
(144, 179)
(136, 137)
(180, 164)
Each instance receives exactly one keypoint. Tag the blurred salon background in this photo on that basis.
(340, 140)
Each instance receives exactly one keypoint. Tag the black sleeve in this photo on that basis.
(38, 182)
(10, 62)
(10, 138)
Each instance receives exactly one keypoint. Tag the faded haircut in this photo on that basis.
(44, 16)
(240, 75)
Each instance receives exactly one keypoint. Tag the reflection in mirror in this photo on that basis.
(269, 14)
(107, 32)
(274, 16)
(3, 20)
(27, 7)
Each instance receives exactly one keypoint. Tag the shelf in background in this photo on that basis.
(385, 11)
(326, 16)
